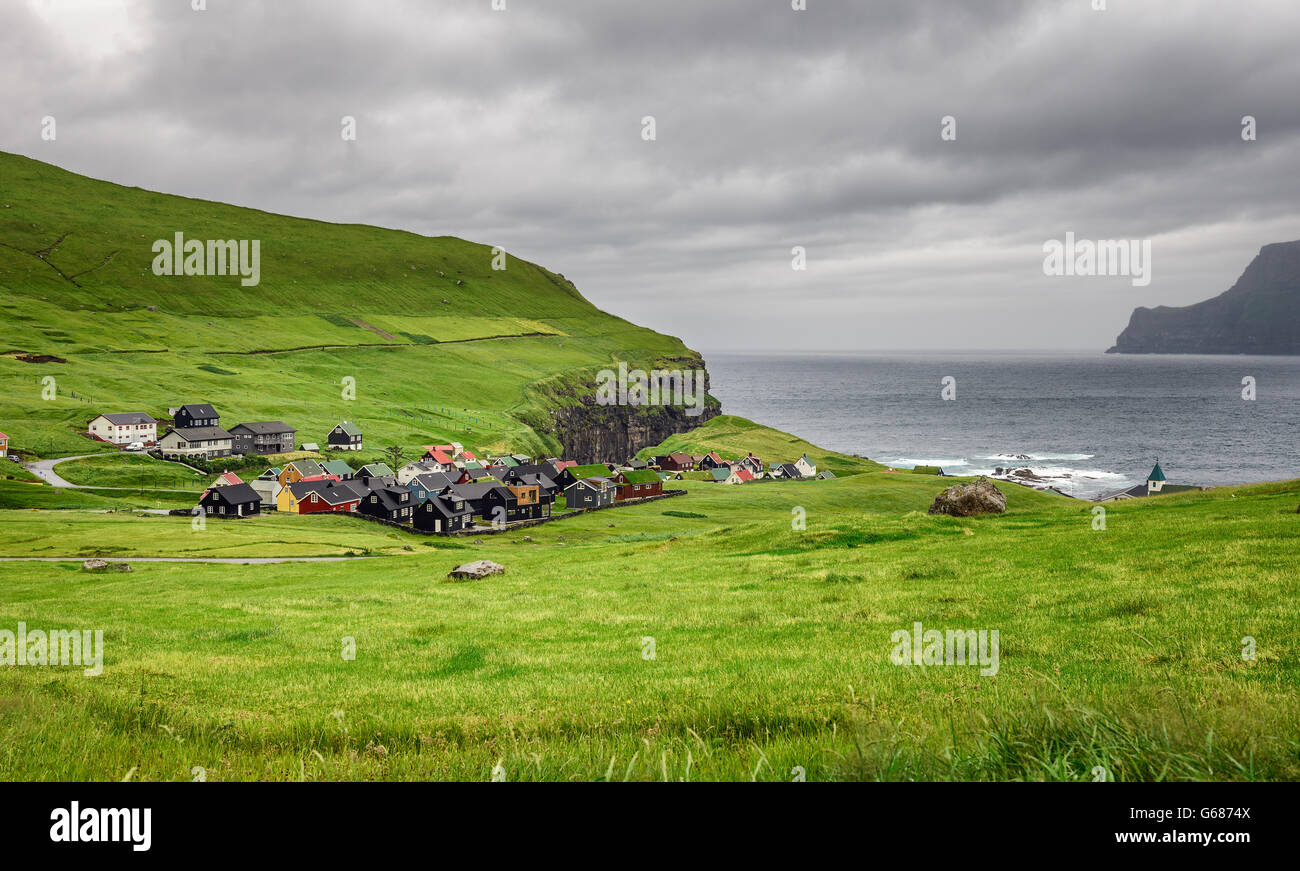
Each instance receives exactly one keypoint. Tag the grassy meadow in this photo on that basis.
(732, 633)
(1120, 647)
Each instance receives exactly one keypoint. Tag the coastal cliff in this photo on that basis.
(567, 411)
(1260, 314)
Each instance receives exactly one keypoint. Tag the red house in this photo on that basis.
(676, 463)
(637, 485)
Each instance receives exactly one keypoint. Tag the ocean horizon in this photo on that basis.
(1084, 422)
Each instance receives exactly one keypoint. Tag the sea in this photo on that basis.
(1086, 423)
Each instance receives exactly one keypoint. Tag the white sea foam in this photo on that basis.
(1040, 457)
(910, 462)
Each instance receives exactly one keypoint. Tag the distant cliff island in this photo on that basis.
(1260, 314)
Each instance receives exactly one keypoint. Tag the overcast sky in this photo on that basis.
(775, 128)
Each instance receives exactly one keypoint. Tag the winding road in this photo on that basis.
(44, 469)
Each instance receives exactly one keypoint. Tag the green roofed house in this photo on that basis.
(346, 436)
(338, 467)
(721, 473)
(375, 470)
(591, 470)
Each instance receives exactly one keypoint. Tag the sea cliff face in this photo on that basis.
(1260, 314)
(590, 432)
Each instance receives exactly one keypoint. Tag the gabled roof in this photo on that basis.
(681, 458)
(445, 505)
(1157, 474)
(375, 470)
(333, 492)
(392, 497)
(264, 427)
(199, 409)
(432, 481)
(199, 433)
(635, 476)
(307, 467)
(479, 490)
(337, 467)
(3, 436)
(745, 475)
(126, 418)
(721, 473)
(229, 478)
(535, 479)
(593, 483)
(505, 461)
(235, 494)
(790, 470)
(348, 428)
(565, 464)
(439, 456)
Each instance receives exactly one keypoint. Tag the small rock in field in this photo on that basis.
(478, 569)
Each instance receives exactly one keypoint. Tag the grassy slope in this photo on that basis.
(1119, 647)
(732, 437)
(75, 270)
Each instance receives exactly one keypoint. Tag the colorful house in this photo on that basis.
(320, 496)
(634, 484)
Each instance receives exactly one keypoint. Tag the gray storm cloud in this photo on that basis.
(775, 128)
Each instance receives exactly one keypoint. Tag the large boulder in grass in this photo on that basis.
(965, 500)
(478, 569)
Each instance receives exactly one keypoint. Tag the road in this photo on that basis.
(44, 469)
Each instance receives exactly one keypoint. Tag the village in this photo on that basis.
(447, 490)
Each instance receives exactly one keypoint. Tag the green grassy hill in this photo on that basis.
(441, 345)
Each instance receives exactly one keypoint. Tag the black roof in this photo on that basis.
(392, 497)
(199, 409)
(535, 479)
(434, 480)
(236, 494)
(263, 427)
(479, 490)
(199, 433)
(445, 506)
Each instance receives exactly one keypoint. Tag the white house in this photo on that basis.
(806, 467)
(4, 445)
(268, 489)
(124, 428)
